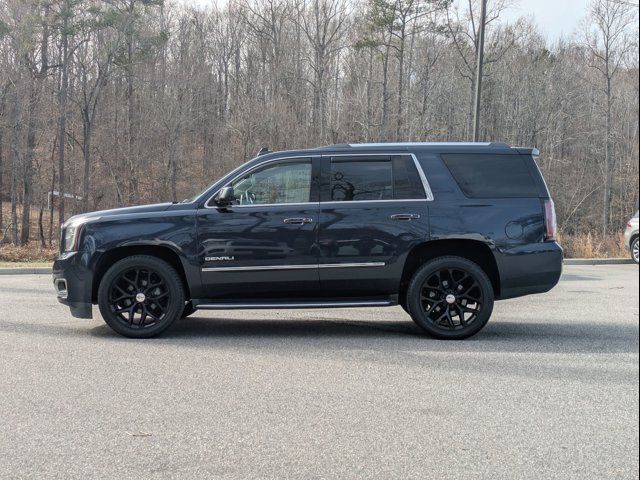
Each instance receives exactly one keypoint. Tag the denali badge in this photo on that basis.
(219, 259)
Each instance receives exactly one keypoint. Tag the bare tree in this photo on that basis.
(607, 39)
(143, 100)
(324, 23)
(464, 30)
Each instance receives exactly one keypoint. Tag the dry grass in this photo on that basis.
(28, 254)
(34, 236)
(593, 246)
(25, 264)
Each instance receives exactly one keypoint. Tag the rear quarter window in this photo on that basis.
(492, 176)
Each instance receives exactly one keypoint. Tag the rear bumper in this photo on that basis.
(72, 282)
(528, 269)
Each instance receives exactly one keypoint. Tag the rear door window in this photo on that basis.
(375, 179)
(361, 180)
(492, 176)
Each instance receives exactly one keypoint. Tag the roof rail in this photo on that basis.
(417, 144)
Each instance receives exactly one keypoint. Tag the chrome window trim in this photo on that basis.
(423, 177)
(266, 268)
(233, 207)
(425, 182)
(255, 167)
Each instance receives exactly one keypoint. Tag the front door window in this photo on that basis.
(283, 183)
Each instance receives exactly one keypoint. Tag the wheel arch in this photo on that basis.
(474, 250)
(108, 258)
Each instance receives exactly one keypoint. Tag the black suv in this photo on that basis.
(442, 229)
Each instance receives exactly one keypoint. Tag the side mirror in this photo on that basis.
(225, 197)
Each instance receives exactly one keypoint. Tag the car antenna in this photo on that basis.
(264, 151)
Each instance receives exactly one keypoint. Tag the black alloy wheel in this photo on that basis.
(141, 296)
(450, 298)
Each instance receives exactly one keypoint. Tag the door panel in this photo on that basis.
(264, 245)
(251, 252)
(363, 250)
(373, 212)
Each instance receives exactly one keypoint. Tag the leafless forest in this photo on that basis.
(118, 102)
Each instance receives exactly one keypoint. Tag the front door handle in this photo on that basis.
(297, 221)
(405, 216)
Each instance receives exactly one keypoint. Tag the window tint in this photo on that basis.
(407, 184)
(389, 178)
(288, 182)
(361, 180)
(492, 176)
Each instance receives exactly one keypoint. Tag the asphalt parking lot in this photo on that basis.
(549, 389)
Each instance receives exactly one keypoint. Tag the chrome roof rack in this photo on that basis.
(417, 144)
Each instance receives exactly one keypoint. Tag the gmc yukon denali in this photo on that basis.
(441, 229)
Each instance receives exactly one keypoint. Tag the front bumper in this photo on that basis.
(528, 269)
(73, 284)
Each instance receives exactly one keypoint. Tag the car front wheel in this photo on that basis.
(141, 296)
(450, 298)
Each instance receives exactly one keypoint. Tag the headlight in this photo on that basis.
(71, 233)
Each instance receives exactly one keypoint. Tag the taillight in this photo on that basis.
(629, 224)
(550, 223)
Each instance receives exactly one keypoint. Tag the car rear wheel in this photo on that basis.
(141, 296)
(450, 298)
(634, 250)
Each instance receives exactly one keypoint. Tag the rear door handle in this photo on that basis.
(297, 221)
(405, 216)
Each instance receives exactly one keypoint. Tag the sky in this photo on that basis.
(555, 18)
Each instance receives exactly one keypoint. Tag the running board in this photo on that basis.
(267, 305)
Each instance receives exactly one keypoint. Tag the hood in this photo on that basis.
(157, 207)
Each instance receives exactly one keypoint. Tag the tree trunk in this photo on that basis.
(399, 113)
(385, 95)
(369, 110)
(62, 120)
(27, 182)
(2, 113)
(16, 150)
(40, 225)
(608, 165)
(132, 116)
(86, 158)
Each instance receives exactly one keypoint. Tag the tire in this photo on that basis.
(141, 296)
(188, 310)
(450, 298)
(634, 250)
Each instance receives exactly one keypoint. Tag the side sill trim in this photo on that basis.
(295, 267)
(293, 305)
